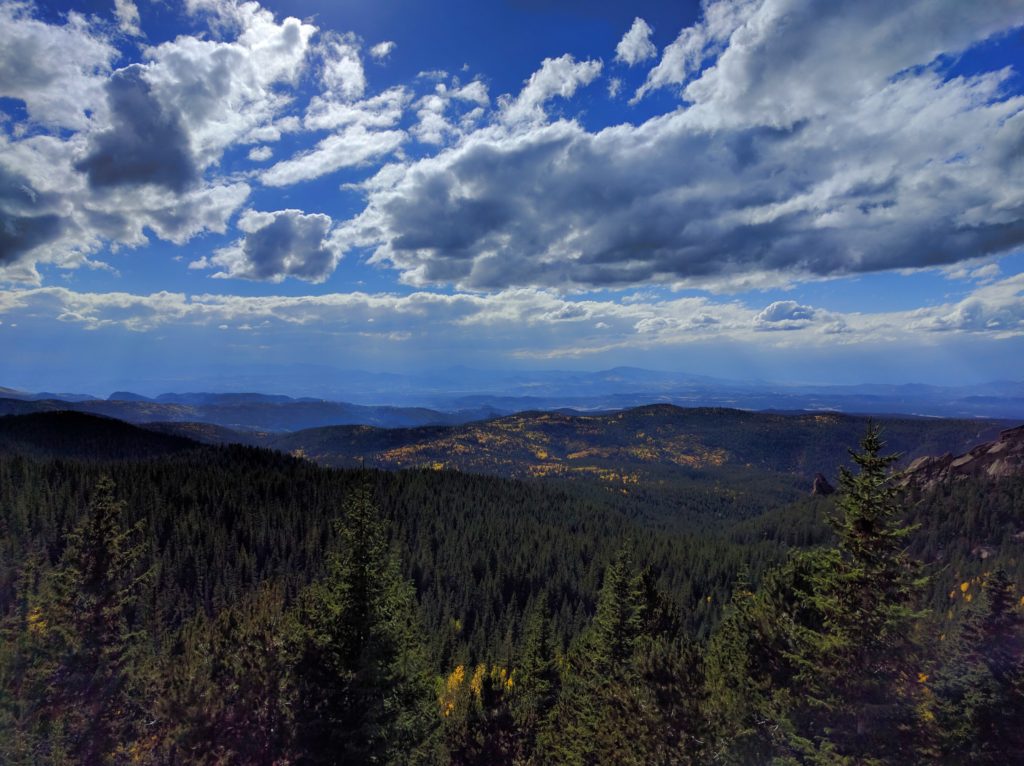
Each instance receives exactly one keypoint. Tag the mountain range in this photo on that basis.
(462, 395)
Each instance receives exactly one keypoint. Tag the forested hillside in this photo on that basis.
(168, 602)
(623, 447)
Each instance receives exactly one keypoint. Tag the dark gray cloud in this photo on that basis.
(20, 234)
(877, 160)
(285, 243)
(148, 143)
(562, 206)
(24, 224)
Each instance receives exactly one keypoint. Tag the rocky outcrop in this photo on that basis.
(821, 486)
(1001, 458)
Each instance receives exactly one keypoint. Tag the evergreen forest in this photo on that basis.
(165, 602)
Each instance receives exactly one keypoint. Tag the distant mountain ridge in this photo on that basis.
(451, 391)
(245, 412)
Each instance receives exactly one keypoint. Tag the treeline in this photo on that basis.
(182, 612)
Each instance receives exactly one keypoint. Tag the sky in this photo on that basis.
(815, 191)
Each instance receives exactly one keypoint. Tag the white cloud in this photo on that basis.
(144, 141)
(58, 71)
(984, 274)
(636, 46)
(226, 92)
(560, 76)
(260, 153)
(996, 308)
(784, 315)
(128, 19)
(812, 140)
(353, 146)
(383, 110)
(342, 75)
(124, 215)
(777, 63)
(525, 322)
(683, 57)
(382, 50)
(433, 126)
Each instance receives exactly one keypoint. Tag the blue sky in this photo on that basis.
(783, 189)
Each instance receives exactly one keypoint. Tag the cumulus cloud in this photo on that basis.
(342, 75)
(148, 144)
(879, 163)
(139, 147)
(57, 71)
(993, 308)
(24, 222)
(260, 153)
(128, 19)
(986, 273)
(636, 46)
(784, 315)
(560, 76)
(363, 127)
(777, 63)
(284, 243)
(383, 110)
(811, 140)
(125, 214)
(227, 92)
(383, 49)
(683, 57)
(433, 126)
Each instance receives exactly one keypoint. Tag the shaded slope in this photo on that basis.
(78, 435)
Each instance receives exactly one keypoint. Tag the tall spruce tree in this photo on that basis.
(537, 680)
(605, 713)
(857, 688)
(365, 692)
(83, 705)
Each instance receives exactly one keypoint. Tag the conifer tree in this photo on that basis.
(22, 682)
(857, 688)
(619, 617)
(605, 714)
(365, 693)
(753, 659)
(537, 680)
(228, 696)
(980, 688)
(84, 665)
